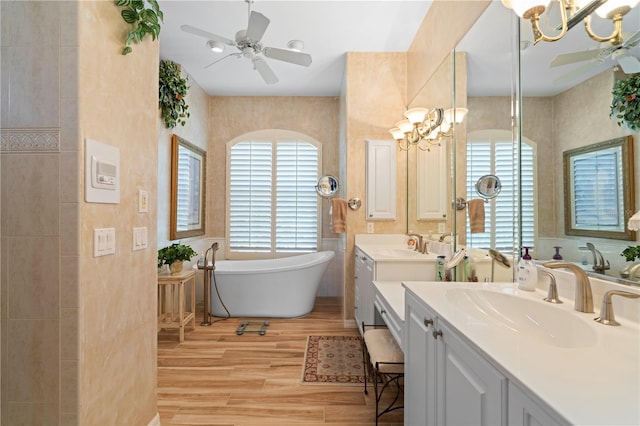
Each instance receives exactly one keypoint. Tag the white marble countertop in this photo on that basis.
(390, 247)
(596, 384)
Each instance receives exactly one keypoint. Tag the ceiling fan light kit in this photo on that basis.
(248, 43)
(571, 13)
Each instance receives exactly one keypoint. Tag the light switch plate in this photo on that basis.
(140, 238)
(104, 241)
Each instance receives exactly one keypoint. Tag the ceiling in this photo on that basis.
(331, 28)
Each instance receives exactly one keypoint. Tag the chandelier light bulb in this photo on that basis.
(613, 7)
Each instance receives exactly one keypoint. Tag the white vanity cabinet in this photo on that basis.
(525, 411)
(446, 381)
(381, 179)
(364, 291)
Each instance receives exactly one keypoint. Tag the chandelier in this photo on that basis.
(571, 13)
(424, 128)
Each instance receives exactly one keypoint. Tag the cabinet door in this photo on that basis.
(432, 184)
(381, 179)
(419, 364)
(358, 268)
(524, 411)
(367, 292)
(470, 390)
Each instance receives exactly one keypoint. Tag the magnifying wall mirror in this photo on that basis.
(488, 186)
(327, 186)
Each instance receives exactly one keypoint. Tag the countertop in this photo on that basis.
(596, 384)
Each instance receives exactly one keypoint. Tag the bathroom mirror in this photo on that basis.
(188, 164)
(599, 194)
(488, 186)
(327, 186)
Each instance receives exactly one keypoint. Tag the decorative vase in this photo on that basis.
(557, 256)
(176, 267)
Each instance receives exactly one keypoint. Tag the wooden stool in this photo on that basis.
(172, 311)
(384, 365)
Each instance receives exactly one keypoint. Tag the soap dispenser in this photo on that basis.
(527, 272)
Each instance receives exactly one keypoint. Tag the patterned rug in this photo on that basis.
(333, 360)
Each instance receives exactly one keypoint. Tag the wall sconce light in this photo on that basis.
(571, 13)
(425, 128)
(215, 46)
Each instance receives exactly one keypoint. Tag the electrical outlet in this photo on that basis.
(441, 228)
(370, 228)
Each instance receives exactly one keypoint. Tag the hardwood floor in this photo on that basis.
(216, 377)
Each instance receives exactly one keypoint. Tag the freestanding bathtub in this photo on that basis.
(269, 288)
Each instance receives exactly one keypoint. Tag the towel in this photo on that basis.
(476, 215)
(338, 215)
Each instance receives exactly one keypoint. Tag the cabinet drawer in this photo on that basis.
(393, 322)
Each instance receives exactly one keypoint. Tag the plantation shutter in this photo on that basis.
(250, 177)
(496, 157)
(273, 205)
(296, 198)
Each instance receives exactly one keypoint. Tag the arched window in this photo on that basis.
(491, 152)
(272, 205)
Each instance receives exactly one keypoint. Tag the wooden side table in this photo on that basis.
(172, 309)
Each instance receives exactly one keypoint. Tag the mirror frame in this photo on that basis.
(628, 188)
(328, 186)
(197, 200)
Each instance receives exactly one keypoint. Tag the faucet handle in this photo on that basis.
(552, 295)
(606, 312)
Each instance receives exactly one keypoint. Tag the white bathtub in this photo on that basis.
(270, 288)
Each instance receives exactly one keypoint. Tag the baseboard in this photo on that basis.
(350, 323)
(155, 421)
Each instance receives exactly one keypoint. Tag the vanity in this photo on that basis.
(490, 354)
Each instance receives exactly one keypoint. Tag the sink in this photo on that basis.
(401, 253)
(526, 317)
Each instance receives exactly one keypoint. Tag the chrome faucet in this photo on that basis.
(599, 263)
(583, 301)
(421, 247)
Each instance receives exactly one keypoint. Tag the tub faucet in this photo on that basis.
(599, 263)
(583, 301)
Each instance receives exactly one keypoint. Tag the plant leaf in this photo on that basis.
(130, 16)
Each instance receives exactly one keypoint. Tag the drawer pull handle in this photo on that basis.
(437, 333)
(382, 312)
(428, 322)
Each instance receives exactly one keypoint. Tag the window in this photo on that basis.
(492, 153)
(272, 204)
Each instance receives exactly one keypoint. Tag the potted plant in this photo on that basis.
(174, 255)
(631, 253)
(625, 104)
(143, 20)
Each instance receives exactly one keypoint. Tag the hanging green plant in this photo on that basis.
(173, 89)
(625, 104)
(145, 20)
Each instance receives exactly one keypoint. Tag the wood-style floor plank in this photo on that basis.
(216, 377)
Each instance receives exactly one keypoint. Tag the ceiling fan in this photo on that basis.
(619, 53)
(249, 46)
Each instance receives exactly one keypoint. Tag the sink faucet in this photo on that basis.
(421, 247)
(583, 301)
(606, 313)
(443, 236)
(599, 263)
(631, 272)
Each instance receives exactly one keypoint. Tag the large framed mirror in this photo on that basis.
(188, 166)
(599, 193)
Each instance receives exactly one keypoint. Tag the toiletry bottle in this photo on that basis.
(440, 268)
(527, 272)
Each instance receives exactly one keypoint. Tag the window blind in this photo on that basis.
(496, 157)
(273, 206)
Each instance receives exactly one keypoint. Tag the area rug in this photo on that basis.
(333, 360)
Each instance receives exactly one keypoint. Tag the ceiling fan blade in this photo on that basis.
(209, 36)
(629, 64)
(585, 55)
(237, 55)
(297, 58)
(265, 71)
(569, 77)
(632, 41)
(258, 24)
